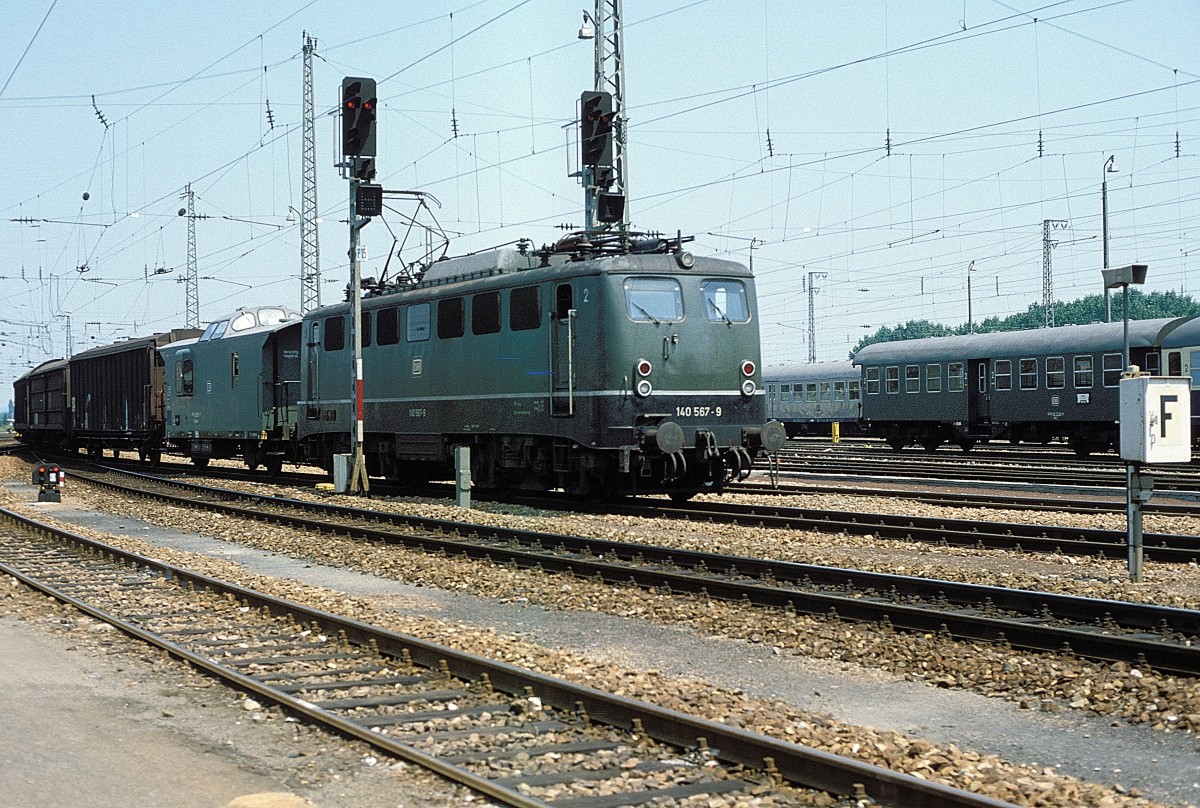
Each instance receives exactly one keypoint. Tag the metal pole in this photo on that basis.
(1133, 520)
(358, 474)
(1125, 338)
(1104, 241)
(970, 320)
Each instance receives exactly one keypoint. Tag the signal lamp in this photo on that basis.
(644, 388)
(748, 367)
(644, 367)
(748, 387)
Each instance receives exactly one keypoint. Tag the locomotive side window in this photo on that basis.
(891, 381)
(653, 300)
(872, 381)
(956, 377)
(1003, 374)
(365, 328)
(1083, 372)
(335, 333)
(184, 376)
(485, 313)
(450, 318)
(525, 309)
(855, 391)
(418, 323)
(839, 391)
(1029, 374)
(1056, 373)
(234, 369)
(1112, 369)
(387, 324)
(933, 378)
(725, 301)
(912, 378)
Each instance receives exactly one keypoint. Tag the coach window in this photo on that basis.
(810, 391)
(1152, 364)
(525, 309)
(1112, 369)
(1029, 374)
(653, 300)
(872, 381)
(785, 392)
(956, 377)
(1003, 374)
(855, 391)
(184, 376)
(1194, 368)
(418, 323)
(1175, 363)
(335, 333)
(891, 380)
(1083, 372)
(1056, 373)
(450, 318)
(772, 391)
(233, 369)
(725, 301)
(485, 313)
(912, 378)
(387, 326)
(933, 378)
(823, 390)
(839, 391)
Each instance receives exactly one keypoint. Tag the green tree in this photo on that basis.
(1088, 309)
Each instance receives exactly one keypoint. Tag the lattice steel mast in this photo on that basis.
(310, 251)
(610, 77)
(192, 280)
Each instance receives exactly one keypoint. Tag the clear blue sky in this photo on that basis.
(760, 126)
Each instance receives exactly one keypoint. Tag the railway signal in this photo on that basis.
(358, 117)
(596, 128)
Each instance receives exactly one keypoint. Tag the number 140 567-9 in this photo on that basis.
(697, 412)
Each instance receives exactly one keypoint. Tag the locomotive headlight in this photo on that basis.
(644, 388)
(748, 387)
(644, 367)
(748, 367)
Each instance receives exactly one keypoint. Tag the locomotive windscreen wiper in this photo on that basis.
(720, 313)
(653, 319)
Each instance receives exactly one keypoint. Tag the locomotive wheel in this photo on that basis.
(931, 444)
(274, 465)
(681, 496)
(200, 462)
(966, 444)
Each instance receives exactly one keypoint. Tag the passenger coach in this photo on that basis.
(809, 398)
(1037, 385)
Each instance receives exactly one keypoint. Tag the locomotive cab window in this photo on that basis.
(655, 300)
(243, 321)
(725, 301)
(525, 309)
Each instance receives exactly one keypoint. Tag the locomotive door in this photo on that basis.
(312, 390)
(979, 402)
(562, 352)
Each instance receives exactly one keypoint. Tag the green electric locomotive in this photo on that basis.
(600, 370)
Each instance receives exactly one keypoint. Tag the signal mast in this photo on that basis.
(603, 123)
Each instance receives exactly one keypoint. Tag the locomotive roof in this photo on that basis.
(810, 371)
(500, 268)
(140, 343)
(1032, 342)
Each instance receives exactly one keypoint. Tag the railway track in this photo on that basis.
(1163, 637)
(516, 736)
